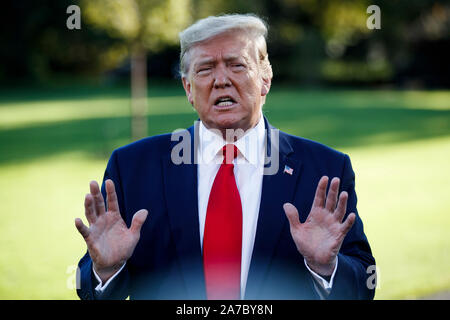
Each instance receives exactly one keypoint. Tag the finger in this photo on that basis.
(138, 220)
(91, 205)
(332, 195)
(89, 210)
(342, 206)
(111, 196)
(348, 223)
(98, 198)
(81, 227)
(292, 214)
(319, 198)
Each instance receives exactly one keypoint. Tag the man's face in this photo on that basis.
(225, 84)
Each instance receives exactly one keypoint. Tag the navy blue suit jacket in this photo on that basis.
(167, 261)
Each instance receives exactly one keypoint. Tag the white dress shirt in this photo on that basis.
(248, 171)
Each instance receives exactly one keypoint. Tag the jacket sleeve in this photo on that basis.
(118, 287)
(355, 256)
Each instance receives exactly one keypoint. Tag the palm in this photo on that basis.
(320, 237)
(110, 242)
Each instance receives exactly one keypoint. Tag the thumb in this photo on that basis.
(292, 214)
(82, 228)
(138, 220)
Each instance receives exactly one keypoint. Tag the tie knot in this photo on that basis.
(230, 152)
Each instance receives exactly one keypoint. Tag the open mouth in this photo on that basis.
(224, 101)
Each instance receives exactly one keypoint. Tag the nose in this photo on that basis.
(221, 79)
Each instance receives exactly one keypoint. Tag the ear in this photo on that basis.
(265, 88)
(187, 89)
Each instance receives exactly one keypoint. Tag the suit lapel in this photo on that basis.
(277, 189)
(180, 182)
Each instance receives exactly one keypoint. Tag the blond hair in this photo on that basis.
(212, 26)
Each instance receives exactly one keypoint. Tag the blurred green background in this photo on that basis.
(382, 96)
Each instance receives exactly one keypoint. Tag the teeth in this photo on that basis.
(225, 103)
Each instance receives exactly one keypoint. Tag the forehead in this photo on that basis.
(226, 46)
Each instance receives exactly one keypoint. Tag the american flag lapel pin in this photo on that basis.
(288, 170)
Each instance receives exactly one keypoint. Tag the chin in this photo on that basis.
(229, 122)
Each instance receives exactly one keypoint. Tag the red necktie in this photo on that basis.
(222, 240)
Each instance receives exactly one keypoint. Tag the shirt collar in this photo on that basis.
(250, 145)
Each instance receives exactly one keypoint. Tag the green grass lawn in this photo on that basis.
(53, 142)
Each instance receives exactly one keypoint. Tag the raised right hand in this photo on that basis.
(110, 243)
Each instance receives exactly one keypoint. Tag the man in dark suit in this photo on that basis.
(236, 209)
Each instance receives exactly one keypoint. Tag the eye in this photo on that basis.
(238, 66)
(203, 70)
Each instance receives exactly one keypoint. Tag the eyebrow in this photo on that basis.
(204, 61)
(228, 58)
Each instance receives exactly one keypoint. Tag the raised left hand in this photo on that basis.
(320, 237)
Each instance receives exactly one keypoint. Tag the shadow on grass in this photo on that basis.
(335, 126)
(85, 92)
(354, 127)
(96, 137)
